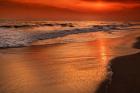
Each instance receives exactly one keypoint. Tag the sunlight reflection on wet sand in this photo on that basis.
(60, 68)
(71, 68)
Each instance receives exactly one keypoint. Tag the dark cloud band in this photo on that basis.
(135, 1)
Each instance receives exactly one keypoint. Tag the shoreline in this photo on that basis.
(125, 69)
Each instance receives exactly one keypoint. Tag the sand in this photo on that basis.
(126, 71)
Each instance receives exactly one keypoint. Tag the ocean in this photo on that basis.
(25, 33)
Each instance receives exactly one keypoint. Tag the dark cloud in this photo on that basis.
(134, 1)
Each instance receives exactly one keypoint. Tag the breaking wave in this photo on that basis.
(13, 38)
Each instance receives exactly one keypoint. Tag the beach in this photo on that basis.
(125, 68)
(103, 61)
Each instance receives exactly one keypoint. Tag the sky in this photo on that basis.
(71, 9)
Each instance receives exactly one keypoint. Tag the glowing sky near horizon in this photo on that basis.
(62, 7)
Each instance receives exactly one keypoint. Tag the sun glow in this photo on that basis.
(100, 5)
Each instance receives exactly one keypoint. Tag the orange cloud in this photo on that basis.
(78, 5)
(70, 9)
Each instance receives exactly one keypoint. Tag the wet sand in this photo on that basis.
(126, 73)
(62, 68)
(72, 67)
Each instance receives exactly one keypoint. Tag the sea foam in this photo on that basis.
(13, 38)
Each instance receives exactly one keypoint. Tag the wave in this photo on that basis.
(36, 25)
(11, 38)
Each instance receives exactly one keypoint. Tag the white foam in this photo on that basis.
(14, 38)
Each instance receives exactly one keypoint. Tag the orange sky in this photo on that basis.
(70, 9)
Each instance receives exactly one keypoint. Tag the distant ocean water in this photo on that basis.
(24, 33)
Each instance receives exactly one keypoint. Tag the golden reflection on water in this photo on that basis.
(16, 76)
(103, 51)
(67, 68)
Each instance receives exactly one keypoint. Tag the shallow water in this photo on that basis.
(61, 66)
(71, 68)
(58, 68)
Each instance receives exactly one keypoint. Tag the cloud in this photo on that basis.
(86, 5)
(69, 9)
(118, 1)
